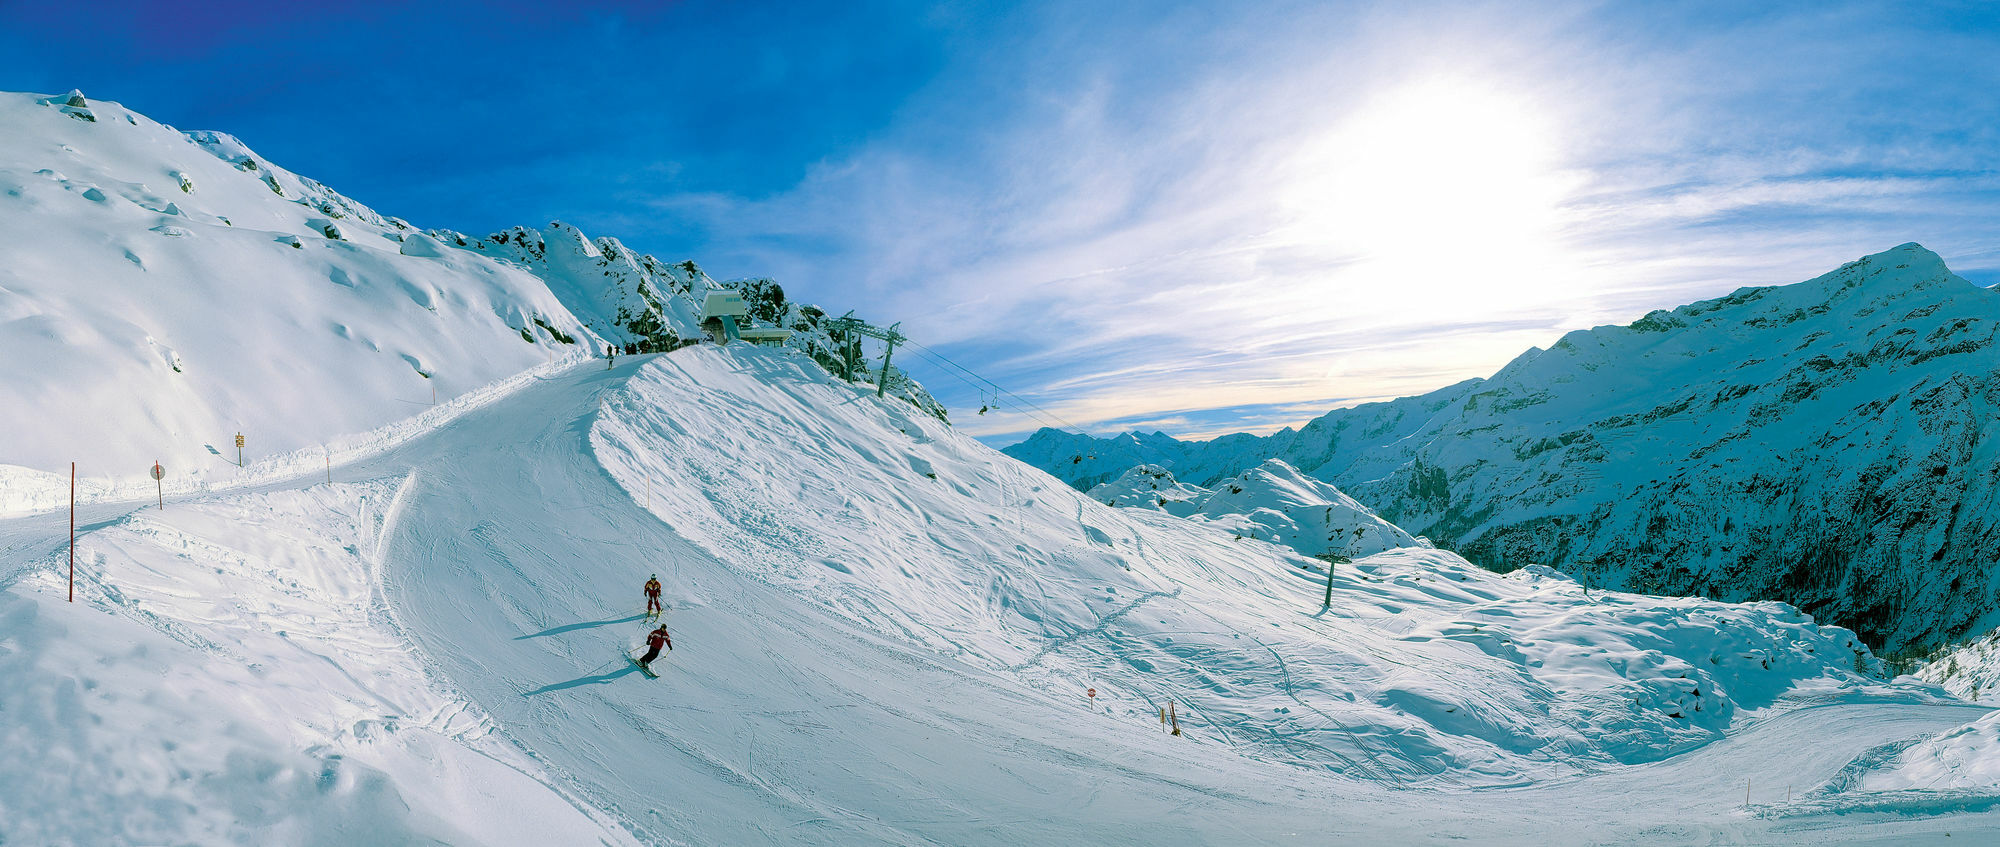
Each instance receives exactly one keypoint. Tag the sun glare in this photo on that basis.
(1448, 190)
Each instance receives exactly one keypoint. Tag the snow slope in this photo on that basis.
(230, 674)
(893, 624)
(1272, 502)
(1970, 670)
(884, 631)
(1819, 443)
(162, 291)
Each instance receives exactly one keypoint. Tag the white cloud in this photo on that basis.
(1324, 208)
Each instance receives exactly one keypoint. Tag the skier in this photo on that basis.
(654, 641)
(653, 608)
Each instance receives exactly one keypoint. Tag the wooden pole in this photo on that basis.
(72, 532)
(159, 485)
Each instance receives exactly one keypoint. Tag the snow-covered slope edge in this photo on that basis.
(24, 490)
(1821, 443)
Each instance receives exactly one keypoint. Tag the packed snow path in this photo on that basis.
(516, 562)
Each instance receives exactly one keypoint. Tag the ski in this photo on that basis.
(642, 668)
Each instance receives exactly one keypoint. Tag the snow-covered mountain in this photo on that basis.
(163, 292)
(1334, 440)
(1823, 443)
(1150, 487)
(1272, 502)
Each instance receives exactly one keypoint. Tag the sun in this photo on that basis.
(1445, 185)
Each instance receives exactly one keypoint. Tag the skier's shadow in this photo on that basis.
(576, 626)
(596, 679)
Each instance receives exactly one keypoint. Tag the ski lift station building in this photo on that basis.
(727, 319)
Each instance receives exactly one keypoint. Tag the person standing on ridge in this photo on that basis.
(654, 641)
(653, 608)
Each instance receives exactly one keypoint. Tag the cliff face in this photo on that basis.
(1824, 443)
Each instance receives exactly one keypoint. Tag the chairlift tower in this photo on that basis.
(847, 326)
(855, 328)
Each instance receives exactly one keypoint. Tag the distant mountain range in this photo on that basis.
(1826, 443)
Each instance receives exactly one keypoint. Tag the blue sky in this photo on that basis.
(1198, 218)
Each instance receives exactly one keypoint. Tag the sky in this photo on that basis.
(1196, 218)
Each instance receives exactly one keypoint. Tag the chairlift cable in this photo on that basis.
(995, 386)
(1043, 416)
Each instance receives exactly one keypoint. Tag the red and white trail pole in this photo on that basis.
(72, 532)
(160, 488)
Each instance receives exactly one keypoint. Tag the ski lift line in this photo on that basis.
(998, 403)
(1056, 423)
(996, 386)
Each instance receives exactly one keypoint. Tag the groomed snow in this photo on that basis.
(230, 674)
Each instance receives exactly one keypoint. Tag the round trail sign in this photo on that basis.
(159, 472)
(1092, 692)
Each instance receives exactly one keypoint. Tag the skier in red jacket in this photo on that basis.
(654, 641)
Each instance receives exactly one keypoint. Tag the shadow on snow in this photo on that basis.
(576, 626)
